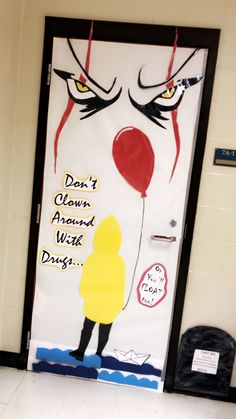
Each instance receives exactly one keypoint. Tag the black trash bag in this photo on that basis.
(211, 339)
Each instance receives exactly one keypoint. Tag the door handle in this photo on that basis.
(158, 237)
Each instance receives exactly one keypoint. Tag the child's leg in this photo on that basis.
(85, 337)
(104, 331)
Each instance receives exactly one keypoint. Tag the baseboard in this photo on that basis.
(231, 398)
(13, 360)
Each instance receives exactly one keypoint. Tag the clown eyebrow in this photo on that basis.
(86, 74)
(140, 84)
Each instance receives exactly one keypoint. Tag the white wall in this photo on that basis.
(211, 287)
(10, 300)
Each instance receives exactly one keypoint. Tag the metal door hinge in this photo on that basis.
(38, 213)
(49, 74)
(185, 230)
(28, 339)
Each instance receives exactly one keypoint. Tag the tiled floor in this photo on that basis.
(29, 395)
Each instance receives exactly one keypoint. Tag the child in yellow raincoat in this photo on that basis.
(102, 285)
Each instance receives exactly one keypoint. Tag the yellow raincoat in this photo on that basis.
(103, 277)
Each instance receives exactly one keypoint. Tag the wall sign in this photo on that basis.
(205, 361)
(225, 157)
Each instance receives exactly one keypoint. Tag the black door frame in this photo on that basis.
(134, 33)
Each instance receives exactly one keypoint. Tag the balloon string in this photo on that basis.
(137, 258)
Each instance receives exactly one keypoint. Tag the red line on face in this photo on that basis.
(70, 102)
(64, 118)
(89, 48)
(177, 139)
(82, 78)
(174, 113)
(172, 56)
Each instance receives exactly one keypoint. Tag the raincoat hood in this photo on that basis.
(108, 236)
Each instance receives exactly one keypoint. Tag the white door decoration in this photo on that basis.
(121, 132)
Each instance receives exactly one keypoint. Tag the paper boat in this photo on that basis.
(131, 357)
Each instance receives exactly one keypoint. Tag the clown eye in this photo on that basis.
(165, 102)
(81, 87)
(170, 98)
(168, 93)
(88, 100)
(79, 90)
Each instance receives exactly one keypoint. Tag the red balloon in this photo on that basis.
(134, 157)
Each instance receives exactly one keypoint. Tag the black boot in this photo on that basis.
(85, 337)
(77, 355)
(104, 331)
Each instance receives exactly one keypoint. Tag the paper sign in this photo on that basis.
(225, 157)
(152, 287)
(205, 361)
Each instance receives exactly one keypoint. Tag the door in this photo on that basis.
(121, 132)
